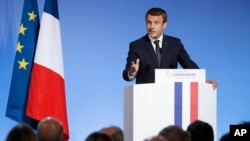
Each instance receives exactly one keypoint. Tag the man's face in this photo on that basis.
(155, 26)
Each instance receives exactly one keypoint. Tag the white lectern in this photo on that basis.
(148, 108)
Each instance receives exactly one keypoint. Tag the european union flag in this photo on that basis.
(25, 50)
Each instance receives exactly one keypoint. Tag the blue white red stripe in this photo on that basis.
(179, 106)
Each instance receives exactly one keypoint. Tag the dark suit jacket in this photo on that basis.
(172, 53)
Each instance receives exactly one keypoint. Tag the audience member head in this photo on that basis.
(172, 133)
(50, 129)
(21, 132)
(186, 136)
(156, 138)
(226, 137)
(200, 131)
(114, 132)
(98, 136)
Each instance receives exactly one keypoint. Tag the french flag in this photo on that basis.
(47, 87)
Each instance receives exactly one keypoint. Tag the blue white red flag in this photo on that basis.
(47, 87)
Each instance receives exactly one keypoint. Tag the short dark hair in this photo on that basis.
(201, 131)
(178, 132)
(21, 132)
(115, 132)
(98, 136)
(156, 11)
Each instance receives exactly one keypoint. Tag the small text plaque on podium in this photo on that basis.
(180, 75)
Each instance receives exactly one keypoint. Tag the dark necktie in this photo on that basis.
(157, 51)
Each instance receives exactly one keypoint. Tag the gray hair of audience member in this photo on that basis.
(98, 136)
(21, 132)
(201, 131)
(50, 129)
(156, 138)
(115, 132)
(173, 133)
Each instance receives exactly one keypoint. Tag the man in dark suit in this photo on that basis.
(142, 57)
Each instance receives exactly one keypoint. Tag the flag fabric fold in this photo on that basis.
(47, 87)
(25, 50)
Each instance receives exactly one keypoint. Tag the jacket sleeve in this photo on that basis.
(132, 56)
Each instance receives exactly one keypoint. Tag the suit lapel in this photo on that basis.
(164, 44)
(150, 50)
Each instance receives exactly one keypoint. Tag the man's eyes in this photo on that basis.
(156, 22)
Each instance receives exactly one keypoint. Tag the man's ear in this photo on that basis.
(165, 25)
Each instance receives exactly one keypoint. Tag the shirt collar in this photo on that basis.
(160, 39)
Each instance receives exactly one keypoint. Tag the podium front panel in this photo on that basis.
(148, 108)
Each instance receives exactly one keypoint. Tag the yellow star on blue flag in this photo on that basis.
(25, 50)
